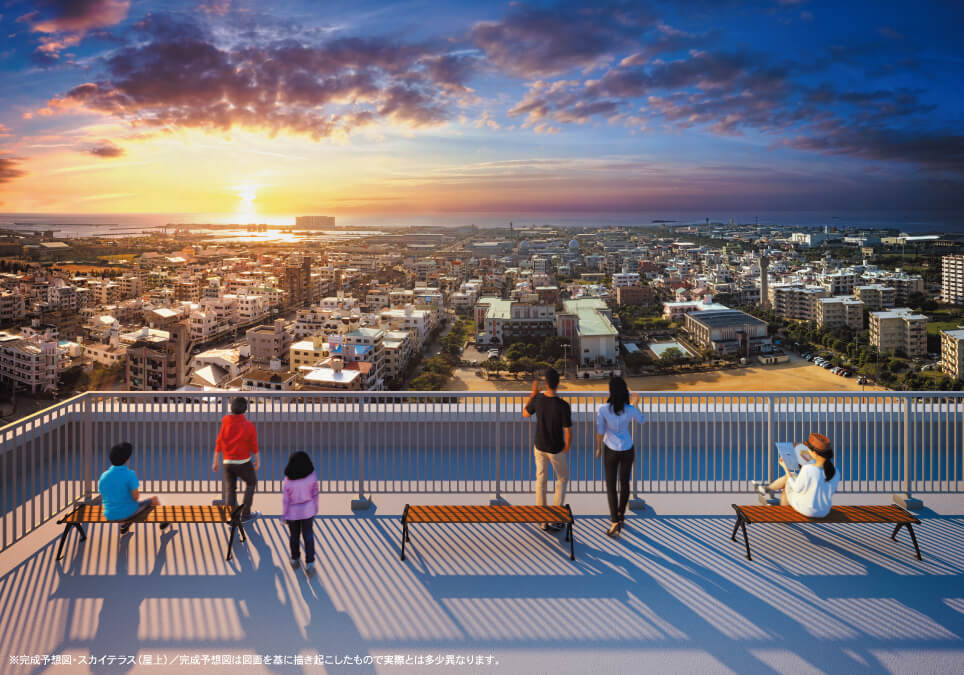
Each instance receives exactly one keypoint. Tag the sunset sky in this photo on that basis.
(219, 106)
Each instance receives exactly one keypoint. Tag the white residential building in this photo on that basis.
(899, 329)
(952, 279)
(952, 352)
(842, 310)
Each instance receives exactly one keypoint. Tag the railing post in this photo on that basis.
(496, 498)
(362, 503)
(87, 484)
(906, 500)
(225, 410)
(635, 502)
(770, 451)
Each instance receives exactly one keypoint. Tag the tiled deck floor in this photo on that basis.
(673, 594)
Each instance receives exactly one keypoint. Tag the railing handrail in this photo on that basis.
(522, 392)
(44, 411)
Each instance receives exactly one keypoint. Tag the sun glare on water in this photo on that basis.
(247, 194)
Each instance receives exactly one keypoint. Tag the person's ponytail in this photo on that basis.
(829, 470)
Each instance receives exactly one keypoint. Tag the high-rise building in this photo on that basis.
(314, 222)
(296, 282)
(952, 353)
(952, 279)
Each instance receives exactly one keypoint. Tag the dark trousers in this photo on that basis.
(230, 475)
(619, 468)
(303, 529)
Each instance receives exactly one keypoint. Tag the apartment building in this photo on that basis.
(634, 295)
(251, 308)
(308, 353)
(503, 321)
(270, 341)
(296, 282)
(367, 345)
(899, 330)
(840, 282)
(400, 347)
(377, 299)
(418, 322)
(215, 367)
(952, 353)
(876, 296)
(62, 297)
(105, 292)
(264, 379)
(840, 311)
(28, 363)
(108, 354)
(12, 307)
(622, 279)
(130, 285)
(952, 279)
(187, 290)
(156, 359)
(399, 298)
(795, 301)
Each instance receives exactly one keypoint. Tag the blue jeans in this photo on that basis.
(302, 528)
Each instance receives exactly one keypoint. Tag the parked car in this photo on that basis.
(493, 353)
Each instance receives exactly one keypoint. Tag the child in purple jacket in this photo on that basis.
(300, 506)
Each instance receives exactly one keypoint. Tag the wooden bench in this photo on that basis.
(888, 513)
(500, 513)
(94, 513)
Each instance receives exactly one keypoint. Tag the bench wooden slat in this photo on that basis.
(887, 513)
(487, 514)
(165, 513)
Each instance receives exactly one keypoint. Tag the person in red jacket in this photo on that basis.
(238, 445)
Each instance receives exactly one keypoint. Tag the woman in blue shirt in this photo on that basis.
(614, 438)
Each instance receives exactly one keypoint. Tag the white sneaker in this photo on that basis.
(295, 563)
(310, 569)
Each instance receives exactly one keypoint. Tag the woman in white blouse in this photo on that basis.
(810, 492)
(614, 439)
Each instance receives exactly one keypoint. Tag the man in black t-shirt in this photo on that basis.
(553, 436)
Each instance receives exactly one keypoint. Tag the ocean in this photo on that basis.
(128, 224)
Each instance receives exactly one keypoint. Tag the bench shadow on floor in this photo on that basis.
(669, 583)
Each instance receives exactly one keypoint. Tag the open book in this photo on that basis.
(792, 454)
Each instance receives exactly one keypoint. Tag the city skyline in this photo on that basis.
(423, 107)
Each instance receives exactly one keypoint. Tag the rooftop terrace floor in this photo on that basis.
(672, 594)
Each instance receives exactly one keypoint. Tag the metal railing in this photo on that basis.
(367, 443)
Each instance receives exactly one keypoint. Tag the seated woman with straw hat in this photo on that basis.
(810, 492)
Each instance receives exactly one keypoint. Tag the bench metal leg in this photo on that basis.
(63, 540)
(893, 534)
(913, 538)
(244, 537)
(404, 538)
(234, 526)
(746, 539)
(736, 527)
(572, 542)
